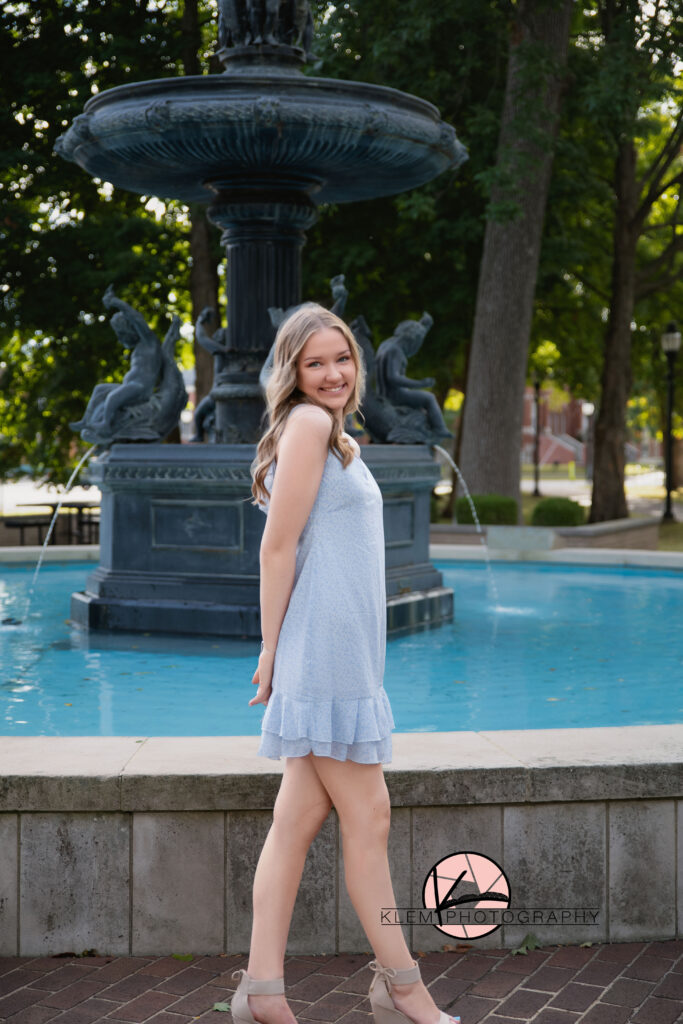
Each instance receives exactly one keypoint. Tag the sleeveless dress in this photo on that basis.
(327, 692)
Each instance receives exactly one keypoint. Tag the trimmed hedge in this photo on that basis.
(492, 510)
(558, 512)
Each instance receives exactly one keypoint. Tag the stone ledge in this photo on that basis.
(609, 526)
(671, 560)
(630, 533)
(91, 773)
(615, 533)
(30, 553)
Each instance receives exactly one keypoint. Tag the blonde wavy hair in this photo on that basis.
(282, 392)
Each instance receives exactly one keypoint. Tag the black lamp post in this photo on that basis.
(671, 342)
(537, 436)
(588, 409)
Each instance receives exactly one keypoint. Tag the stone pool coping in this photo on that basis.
(634, 557)
(580, 818)
(535, 765)
(28, 555)
(584, 817)
(127, 773)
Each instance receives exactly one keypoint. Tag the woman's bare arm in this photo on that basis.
(301, 461)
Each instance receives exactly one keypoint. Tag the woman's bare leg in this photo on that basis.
(360, 796)
(301, 807)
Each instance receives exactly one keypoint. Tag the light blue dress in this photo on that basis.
(327, 691)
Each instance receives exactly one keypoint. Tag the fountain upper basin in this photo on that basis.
(189, 138)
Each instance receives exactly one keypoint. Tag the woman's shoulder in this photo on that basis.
(312, 419)
(313, 413)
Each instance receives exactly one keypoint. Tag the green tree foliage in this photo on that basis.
(421, 250)
(613, 253)
(64, 236)
(574, 287)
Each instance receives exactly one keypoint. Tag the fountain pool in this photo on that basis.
(564, 647)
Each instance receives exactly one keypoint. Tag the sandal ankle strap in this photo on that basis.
(397, 975)
(262, 986)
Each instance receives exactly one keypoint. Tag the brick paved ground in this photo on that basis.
(631, 983)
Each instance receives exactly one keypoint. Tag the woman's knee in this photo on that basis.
(369, 824)
(302, 804)
(359, 794)
(302, 823)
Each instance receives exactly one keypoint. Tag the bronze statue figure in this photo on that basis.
(269, 22)
(146, 405)
(216, 344)
(232, 23)
(392, 383)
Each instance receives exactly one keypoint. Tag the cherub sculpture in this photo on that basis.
(384, 422)
(146, 405)
(255, 22)
(392, 383)
(216, 344)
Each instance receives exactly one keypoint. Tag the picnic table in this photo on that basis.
(86, 524)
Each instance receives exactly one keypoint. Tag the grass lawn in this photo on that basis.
(657, 494)
(561, 471)
(671, 536)
(550, 472)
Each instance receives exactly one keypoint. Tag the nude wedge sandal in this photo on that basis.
(383, 1008)
(239, 1004)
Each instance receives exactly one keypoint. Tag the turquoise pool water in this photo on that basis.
(565, 646)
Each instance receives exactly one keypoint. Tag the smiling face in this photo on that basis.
(325, 369)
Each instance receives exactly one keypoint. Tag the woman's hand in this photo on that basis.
(262, 678)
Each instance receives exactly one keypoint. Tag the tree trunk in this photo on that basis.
(204, 268)
(609, 498)
(492, 419)
(203, 292)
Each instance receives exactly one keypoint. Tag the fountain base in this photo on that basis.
(180, 539)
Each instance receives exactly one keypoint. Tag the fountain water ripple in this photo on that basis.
(482, 537)
(69, 485)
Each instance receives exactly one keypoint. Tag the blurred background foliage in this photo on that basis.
(66, 237)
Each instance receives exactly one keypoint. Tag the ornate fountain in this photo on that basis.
(262, 144)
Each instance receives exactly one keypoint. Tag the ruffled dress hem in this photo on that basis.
(274, 747)
(355, 729)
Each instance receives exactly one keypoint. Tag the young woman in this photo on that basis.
(320, 671)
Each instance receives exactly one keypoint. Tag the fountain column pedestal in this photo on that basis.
(263, 234)
(180, 539)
